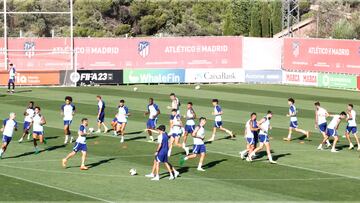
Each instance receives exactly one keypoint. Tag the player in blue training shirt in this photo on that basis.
(264, 126)
(176, 132)
(80, 145)
(293, 121)
(29, 114)
(38, 128)
(9, 126)
(251, 129)
(68, 111)
(199, 145)
(122, 118)
(161, 155)
(153, 111)
(11, 82)
(190, 122)
(101, 115)
(218, 120)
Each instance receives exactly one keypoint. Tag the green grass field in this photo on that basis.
(302, 173)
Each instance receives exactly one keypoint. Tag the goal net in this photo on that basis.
(42, 67)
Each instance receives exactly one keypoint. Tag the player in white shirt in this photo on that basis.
(293, 121)
(320, 121)
(218, 121)
(122, 118)
(8, 128)
(331, 130)
(351, 126)
(175, 103)
(264, 126)
(199, 145)
(68, 111)
(153, 111)
(101, 115)
(29, 114)
(11, 82)
(249, 135)
(80, 145)
(190, 122)
(176, 128)
(38, 128)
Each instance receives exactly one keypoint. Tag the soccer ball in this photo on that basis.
(132, 172)
(135, 89)
(197, 87)
(91, 130)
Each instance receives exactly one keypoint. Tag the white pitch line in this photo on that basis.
(57, 188)
(181, 178)
(298, 167)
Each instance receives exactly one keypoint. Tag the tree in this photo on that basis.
(276, 16)
(228, 28)
(240, 11)
(343, 29)
(265, 19)
(255, 19)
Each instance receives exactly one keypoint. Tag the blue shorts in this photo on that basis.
(351, 129)
(250, 141)
(121, 122)
(26, 125)
(68, 122)
(293, 124)
(189, 128)
(322, 127)
(174, 135)
(218, 124)
(114, 120)
(162, 157)
(199, 149)
(11, 81)
(38, 133)
(80, 147)
(331, 132)
(151, 123)
(263, 138)
(101, 118)
(256, 136)
(6, 139)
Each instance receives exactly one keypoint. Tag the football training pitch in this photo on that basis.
(303, 173)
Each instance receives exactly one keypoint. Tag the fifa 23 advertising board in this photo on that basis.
(322, 55)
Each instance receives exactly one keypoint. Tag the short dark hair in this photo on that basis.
(151, 99)
(31, 102)
(352, 106)
(172, 94)
(343, 113)
(84, 119)
(122, 101)
(253, 114)
(161, 127)
(215, 100)
(98, 96)
(11, 64)
(269, 112)
(190, 103)
(174, 110)
(202, 118)
(37, 107)
(317, 103)
(68, 98)
(291, 100)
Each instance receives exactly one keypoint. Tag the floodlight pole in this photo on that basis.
(5, 38)
(72, 35)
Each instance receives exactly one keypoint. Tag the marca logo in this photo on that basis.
(144, 48)
(296, 48)
(293, 77)
(29, 49)
(310, 78)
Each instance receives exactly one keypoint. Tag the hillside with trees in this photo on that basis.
(119, 18)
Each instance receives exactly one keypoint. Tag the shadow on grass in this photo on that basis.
(136, 138)
(213, 163)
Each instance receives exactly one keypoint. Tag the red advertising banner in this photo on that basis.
(179, 52)
(37, 54)
(32, 78)
(322, 55)
(120, 53)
